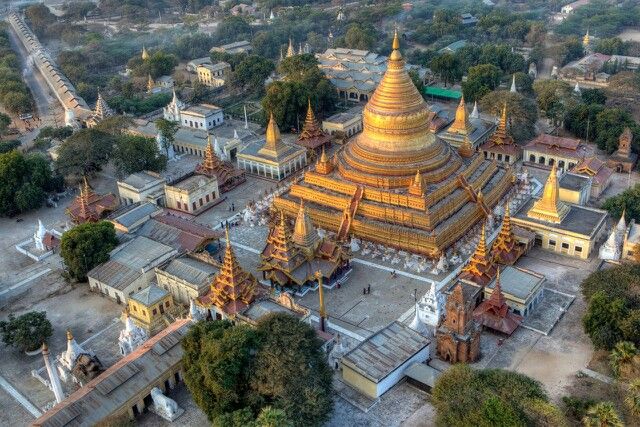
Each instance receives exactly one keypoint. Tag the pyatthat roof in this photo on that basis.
(385, 351)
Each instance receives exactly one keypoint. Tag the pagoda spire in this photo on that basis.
(497, 298)
(145, 54)
(311, 129)
(461, 122)
(475, 114)
(273, 143)
(324, 166)
(549, 208)
(513, 89)
(480, 267)
(210, 159)
(466, 148)
(304, 233)
(290, 50)
(102, 109)
(506, 249)
(150, 83)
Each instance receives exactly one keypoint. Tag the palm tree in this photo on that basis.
(602, 414)
(633, 397)
(622, 354)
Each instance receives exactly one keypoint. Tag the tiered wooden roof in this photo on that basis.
(501, 141)
(89, 206)
(481, 269)
(494, 312)
(233, 289)
(312, 135)
(506, 249)
(228, 176)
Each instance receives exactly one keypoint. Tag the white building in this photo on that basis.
(202, 116)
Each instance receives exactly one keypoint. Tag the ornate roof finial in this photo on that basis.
(304, 234)
(273, 144)
(549, 207)
(69, 335)
(395, 45)
(417, 185)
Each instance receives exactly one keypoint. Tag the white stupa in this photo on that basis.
(475, 114)
(218, 150)
(417, 324)
(131, 337)
(430, 307)
(67, 359)
(612, 249)
(513, 85)
(576, 89)
(194, 313)
(38, 236)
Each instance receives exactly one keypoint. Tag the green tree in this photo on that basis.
(447, 67)
(86, 246)
(602, 414)
(84, 153)
(551, 96)
(23, 182)
(238, 375)
(251, 73)
(167, 130)
(5, 121)
(610, 46)
(481, 79)
(134, 153)
(26, 332)
(622, 354)
(522, 113)
(18, 102)
(40, 18)
(360, 36)
(609, 124)
(296, 67)
(602, 320)
(233, 28)
(632, 399)
(593, 96)
(628, 200)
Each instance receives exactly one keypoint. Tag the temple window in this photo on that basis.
(552, 243)
(167, 304)
(561, 164)
(551, 161)
(507, 158)
(155, 311)
(578, 249)
(565, 246)
(541, 160)
(532, 158)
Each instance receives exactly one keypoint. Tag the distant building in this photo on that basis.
(501, 145)
(129, 218)
(468, 19)
(130, 268)
(631, 243)
(192, 195)
(453, 47)
(165, 82)
(571, 7)
(379, 362)
(90, 206)
(147, 308)
(458, 337)
(575, 188)
(597, 170)
(194, 63)
(184, 235)
(202, 116)
(213, 75)
(186, 278)
(242, 46)
(623, 160)
(548, 150)
(522, 289)
(142, 187)
(346, 124)
(100, 112)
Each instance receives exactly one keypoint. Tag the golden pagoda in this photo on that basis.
(506, 249)
(150, 84)
(293, 260)
(480, 269)
(324, 165)
(466, 149)
(145, 54)
(89, 206)
(233, 289)
(461, 123)
(227, 175)
(290, 50)
(369, 190)
(501, 145)
(586, 40)
(312, 137)
(549, 208)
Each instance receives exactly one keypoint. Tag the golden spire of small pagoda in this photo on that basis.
(150, 83)
(310, 127)
(290, 50)
(417, 185)
(481, 265)
(506, 249)
(549, 207)
(304, 233)
(273, 143)
(69, 335)
(145, 54)
(210, 159)
(324, 166)
(461, 123)
(586, 40)
(281, 239)
(500, 136)
(83, 199)
(466, 148)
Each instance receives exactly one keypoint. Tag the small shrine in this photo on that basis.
(549, 207)
(233, 289)
(312, 137)
(623, 160)
(506, 249)
(481, 268)
(100, 112)
(612, 248)
(494, 313)
(292, 260)
(458, 338)
(77, 364)
(214, 165)
(89, 206)
(501, 145)
(131, 337)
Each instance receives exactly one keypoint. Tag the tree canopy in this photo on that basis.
(84, 153)
(135, 153)
(522, 113)
(235, 372)
(87, 245)
(26, 332)
(628, 200)
(250, 73)
(481, 79)
(491, 397)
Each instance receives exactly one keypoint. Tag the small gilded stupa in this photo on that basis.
(481, 268)
(228, 176)
(312, 137)
(506, 249)
(397, 183)
(549, 207)
(232, 290)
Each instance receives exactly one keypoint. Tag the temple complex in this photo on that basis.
(274, 159)
(312, 137)
(506, 249)
(501, 145)
(623, 160)
(561, 227)
(465, 128)
(292, 260)
(458, 338)
(364, 190)
(494, 313)
(213, 166)
(232, 290)
(89, 206)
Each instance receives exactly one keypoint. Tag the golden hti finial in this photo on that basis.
(69, 335)
(395, 45)
(145, 54)
(549, 207)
